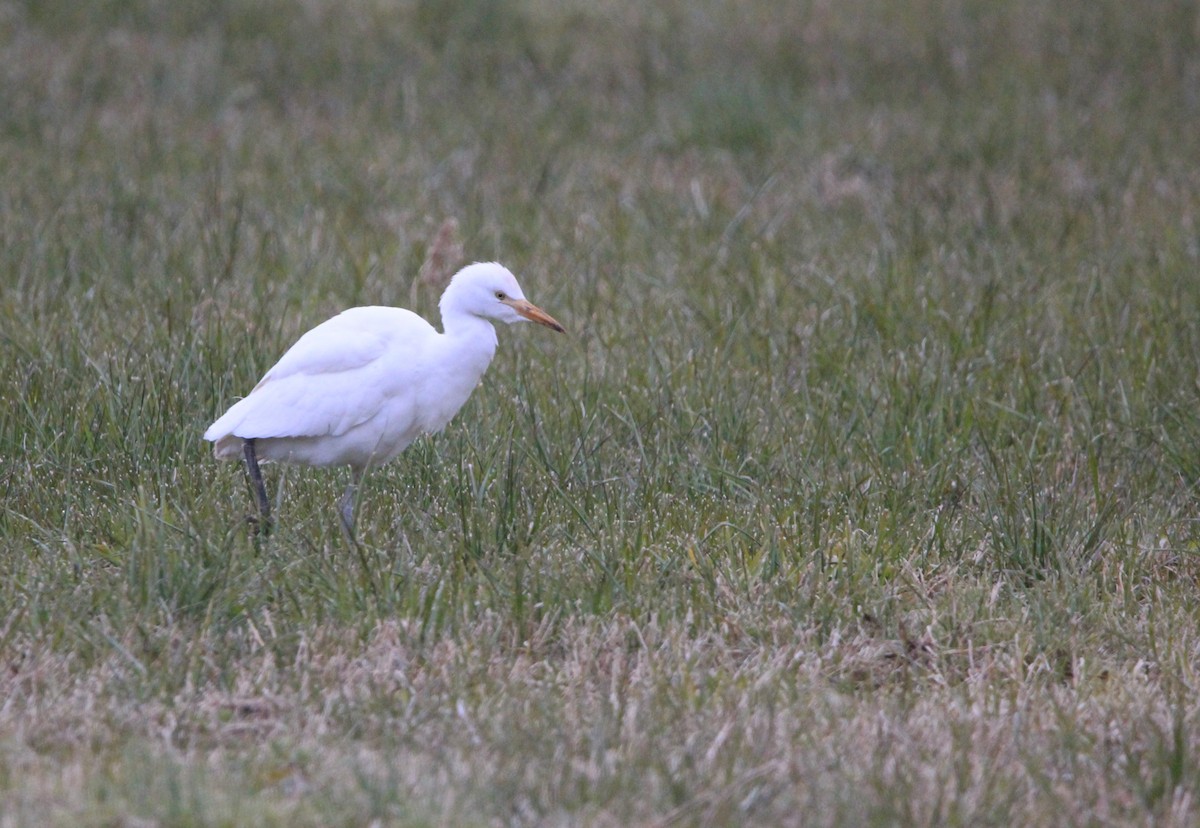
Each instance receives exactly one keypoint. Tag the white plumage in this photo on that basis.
(357, 389)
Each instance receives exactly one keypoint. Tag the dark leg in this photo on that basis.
(256, 482)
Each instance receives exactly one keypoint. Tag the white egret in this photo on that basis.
(357, 389)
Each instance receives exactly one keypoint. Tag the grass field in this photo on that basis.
(862, 491)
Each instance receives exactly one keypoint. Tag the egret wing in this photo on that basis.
(337, 376)
(352, 339)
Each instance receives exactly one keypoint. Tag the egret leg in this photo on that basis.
(346, 504)
(256, 482)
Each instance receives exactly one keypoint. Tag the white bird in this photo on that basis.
(357, 389)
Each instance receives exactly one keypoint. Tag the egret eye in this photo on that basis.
(501, 295)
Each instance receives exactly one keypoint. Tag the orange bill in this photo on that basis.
(534, 314)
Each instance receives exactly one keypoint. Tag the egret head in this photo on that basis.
(489, 290)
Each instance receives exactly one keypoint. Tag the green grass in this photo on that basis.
(863, 489)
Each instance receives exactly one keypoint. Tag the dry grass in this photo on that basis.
(646, 723)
